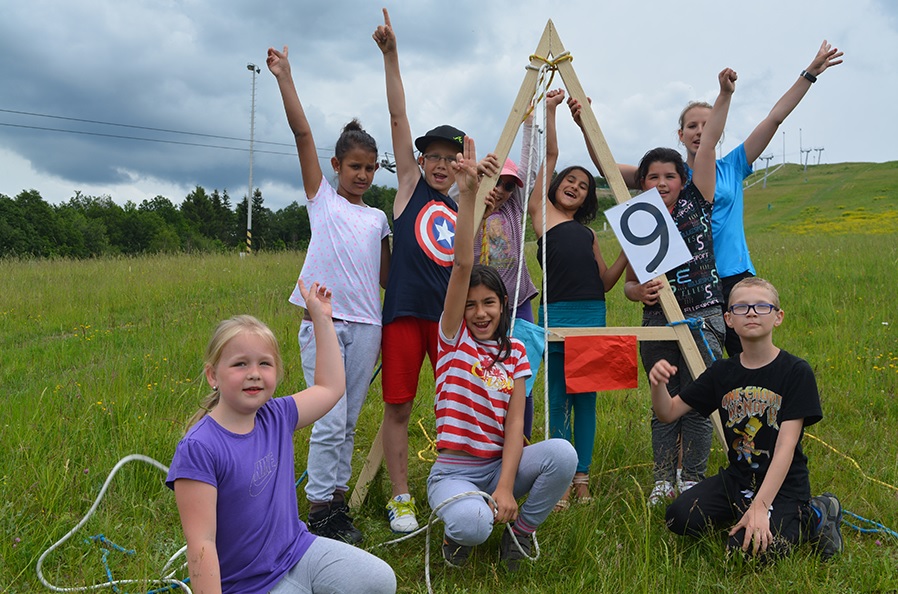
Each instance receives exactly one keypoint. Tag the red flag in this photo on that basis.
(597, 363)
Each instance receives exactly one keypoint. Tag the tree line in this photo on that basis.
(95, 226)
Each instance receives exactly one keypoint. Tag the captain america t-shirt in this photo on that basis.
(423, 250)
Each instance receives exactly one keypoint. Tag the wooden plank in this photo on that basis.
(369, 471)
(641, 333)
(515, 118)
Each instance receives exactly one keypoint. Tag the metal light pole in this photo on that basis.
(252, 130)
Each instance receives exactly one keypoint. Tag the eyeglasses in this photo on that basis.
(435, 158)
(507, 186)
(762, 309)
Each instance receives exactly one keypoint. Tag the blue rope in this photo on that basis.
(878, 527)
(696, 324)
(100, 538)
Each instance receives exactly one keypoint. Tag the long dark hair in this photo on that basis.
(590, 207)
(489, 278)
(660, 155)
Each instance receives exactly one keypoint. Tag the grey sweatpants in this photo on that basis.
(333, 435)
(693, 431)
(333, 567)
(545, 472)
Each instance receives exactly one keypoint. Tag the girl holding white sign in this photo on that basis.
(577, 280)
(696, 286)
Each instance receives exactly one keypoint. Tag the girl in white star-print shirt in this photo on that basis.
(350, 253)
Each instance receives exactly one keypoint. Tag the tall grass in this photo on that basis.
(102, 359)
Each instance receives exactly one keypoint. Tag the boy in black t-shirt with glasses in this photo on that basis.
(766, 397)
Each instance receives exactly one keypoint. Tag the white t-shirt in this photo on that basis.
(344, 254)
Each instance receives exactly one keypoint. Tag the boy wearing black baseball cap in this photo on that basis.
(423, 250)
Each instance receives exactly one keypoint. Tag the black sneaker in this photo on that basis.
(829, 534)
(509, 551)
(456, 555)
(334, 522)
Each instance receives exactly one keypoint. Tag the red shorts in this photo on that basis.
(405, 342)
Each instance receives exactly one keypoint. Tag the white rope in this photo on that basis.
(433, 520)
(541, 92)
(166, 579)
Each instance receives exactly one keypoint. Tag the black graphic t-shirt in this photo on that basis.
(695, 284)
(752, 404)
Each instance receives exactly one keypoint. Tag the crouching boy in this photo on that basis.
(766, 397)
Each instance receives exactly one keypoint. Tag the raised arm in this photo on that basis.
(628, 172)
(407, 170)
(296, 118)
(330, 376)
(760, 137)
(534, 204)
(666, 407)
(467, 179)
(704, 174)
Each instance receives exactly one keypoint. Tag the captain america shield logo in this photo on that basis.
(435, 232)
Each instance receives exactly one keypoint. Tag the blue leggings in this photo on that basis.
(562, 405)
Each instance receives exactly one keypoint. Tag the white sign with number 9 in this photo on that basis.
(648, 235)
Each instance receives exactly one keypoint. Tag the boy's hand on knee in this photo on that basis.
(756, 522)
(661, 373)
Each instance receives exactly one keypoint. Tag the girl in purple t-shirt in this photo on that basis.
(233, 472)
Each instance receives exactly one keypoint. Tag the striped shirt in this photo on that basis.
(473, 392)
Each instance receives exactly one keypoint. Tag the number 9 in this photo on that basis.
(659, 232)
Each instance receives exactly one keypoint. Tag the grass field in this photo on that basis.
(102, 359)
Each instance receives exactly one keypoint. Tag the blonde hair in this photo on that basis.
(689, 106)
(755, 281)
(224, 333)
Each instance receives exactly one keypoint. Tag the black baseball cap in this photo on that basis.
(445, 133)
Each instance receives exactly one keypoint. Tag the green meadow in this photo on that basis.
(102, 358)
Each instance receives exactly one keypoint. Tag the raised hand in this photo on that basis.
(554, 97)
(727, 79)
(489, 165)
(318, 300)
(384, 36)
(577, 109)
(277, 62)
(465, 167)
(826, 56)
(661, 373)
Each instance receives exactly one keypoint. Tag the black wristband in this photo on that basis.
(809, 76)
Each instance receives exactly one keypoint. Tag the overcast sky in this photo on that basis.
(175, 72)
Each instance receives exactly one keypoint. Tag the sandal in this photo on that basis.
(563, 503)
(580, 487)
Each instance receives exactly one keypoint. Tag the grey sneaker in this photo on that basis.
(829, 534)
(456, 555)
(509, 552)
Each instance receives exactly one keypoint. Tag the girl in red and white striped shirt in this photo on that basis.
(480, 407)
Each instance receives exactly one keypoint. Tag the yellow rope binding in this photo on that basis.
(550, 65)
(431, 449)
(484, 244)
